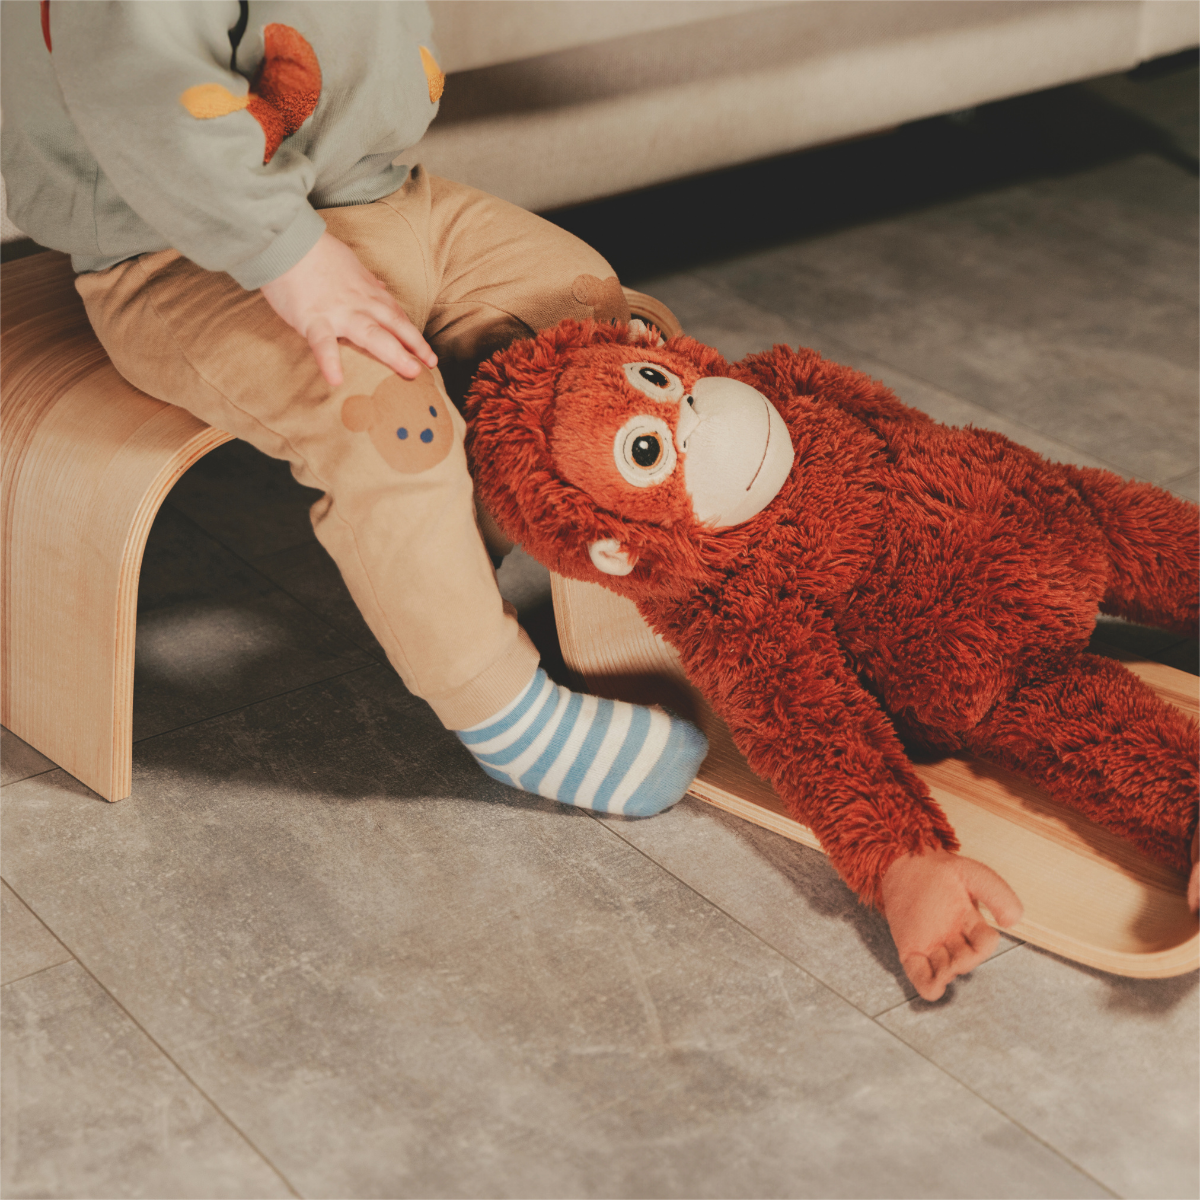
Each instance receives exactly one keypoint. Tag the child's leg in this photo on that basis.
(1100, 741)
(494, 273)
(397, 514)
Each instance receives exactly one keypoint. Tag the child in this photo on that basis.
(252, 246)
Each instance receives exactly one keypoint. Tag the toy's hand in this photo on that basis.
(329, 294)
(930, 904)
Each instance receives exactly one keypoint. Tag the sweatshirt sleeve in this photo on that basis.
(150, 88)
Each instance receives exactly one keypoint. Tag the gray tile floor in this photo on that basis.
(318, 953)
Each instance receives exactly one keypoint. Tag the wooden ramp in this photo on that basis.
(1088, 895)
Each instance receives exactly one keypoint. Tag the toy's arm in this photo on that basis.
(805, 722)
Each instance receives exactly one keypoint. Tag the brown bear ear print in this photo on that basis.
(605, 296)
(356, 413)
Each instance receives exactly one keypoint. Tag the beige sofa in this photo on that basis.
(552, 102)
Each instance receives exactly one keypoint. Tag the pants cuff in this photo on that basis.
(491, 690)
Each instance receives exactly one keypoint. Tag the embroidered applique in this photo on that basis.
(46, 25)
(408, 421)
(437, 81)
(208, 100)
(282, 96)
(605, 297)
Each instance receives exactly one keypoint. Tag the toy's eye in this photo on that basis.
(644, 450)
(654, 381)
(647, 450)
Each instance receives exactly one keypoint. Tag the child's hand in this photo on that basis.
(929, 901)
(329, 294)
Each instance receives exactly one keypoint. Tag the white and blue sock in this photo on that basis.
(601, 754)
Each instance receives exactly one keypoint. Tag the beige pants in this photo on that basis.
(397, 514)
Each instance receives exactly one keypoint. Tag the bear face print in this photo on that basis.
(408, 421)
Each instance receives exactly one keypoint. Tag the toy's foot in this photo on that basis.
(601, 754)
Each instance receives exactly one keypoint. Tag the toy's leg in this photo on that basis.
(1153, 549)
(1100, 741)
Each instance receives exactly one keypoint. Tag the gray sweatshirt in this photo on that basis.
(142, 125)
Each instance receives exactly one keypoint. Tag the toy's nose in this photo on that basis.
(689, 419)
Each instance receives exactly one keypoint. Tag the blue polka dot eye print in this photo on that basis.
(427, 436)
(402, 433)
(432, 411)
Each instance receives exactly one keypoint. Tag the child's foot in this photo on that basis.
(602, 754)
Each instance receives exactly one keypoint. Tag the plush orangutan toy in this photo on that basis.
(842, 576)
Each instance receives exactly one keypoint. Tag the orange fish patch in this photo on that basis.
(282, 96)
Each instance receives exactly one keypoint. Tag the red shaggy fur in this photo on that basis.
(909, 580)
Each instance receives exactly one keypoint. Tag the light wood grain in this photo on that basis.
(87, 461)
(1088, 895)
(653, 311)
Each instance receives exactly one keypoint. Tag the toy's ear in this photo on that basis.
(356, 413)
(609, 556)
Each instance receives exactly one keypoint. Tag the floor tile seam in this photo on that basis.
(34, 914)
(983, 1099)
(1180, 478)
(758, 937)
(251, 564)
(62, 962)
(370, 666)
(35, 774)
(993, 1105)
(75, 958)
(874, 1019)
(375, 653)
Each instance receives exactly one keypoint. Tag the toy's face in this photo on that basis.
(649, 438)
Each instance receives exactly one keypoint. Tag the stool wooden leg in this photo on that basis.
(87, 461)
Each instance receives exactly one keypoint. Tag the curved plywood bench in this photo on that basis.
(87, 460)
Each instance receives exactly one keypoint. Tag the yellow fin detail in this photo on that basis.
(437, 81)
(208, 100)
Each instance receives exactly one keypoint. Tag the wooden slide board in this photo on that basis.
(1088, 895)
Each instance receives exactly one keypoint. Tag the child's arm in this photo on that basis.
(329, 295)
(128, 75)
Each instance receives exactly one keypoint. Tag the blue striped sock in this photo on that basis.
(602, 754)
